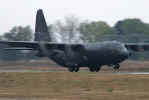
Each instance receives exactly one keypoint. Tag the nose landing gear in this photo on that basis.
(116, 67)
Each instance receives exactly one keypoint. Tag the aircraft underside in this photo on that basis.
(74, 66)
(93, 68)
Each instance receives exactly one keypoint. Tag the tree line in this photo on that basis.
(73, 30)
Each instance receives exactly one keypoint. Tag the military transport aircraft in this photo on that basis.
(74, 56)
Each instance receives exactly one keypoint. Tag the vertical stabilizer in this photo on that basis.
(41, 28)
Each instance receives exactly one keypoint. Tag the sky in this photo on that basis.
(22, 12)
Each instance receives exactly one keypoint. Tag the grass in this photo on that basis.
(110, 90)
(74, 86)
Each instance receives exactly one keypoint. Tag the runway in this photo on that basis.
(38, 71)
(134, 73)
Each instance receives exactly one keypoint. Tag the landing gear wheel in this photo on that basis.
(77, 69)
(91, 69)
(71, 69)
(116, 67)
(97, 69)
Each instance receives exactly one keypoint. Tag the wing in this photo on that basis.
(25, 45)
(137, 46)
(20, 45)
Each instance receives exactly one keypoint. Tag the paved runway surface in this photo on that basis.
(37, 71)
(134, 73)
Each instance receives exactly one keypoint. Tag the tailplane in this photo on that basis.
(41, 28)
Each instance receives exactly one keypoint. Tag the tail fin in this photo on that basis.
(41, 28)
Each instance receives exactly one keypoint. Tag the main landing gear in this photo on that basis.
(73, 69)
(116, 67)
(95, 69)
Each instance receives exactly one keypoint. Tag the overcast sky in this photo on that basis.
(22, 12)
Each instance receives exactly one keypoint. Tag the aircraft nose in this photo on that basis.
(126, 54)
(123, 55)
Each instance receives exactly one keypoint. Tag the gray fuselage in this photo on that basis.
(92, 54)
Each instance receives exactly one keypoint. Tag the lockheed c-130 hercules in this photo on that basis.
(74, 56)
